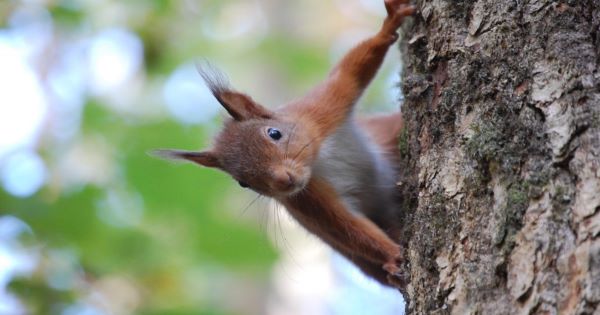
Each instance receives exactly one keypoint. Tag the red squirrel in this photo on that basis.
(329, 169)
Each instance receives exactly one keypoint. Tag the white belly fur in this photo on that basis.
(356, 168)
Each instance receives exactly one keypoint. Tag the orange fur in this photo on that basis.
(288, 164)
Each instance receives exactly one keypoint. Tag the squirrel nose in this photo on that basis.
(285, 180)
(291, 178)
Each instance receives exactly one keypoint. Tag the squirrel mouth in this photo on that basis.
(289, 180)
(293, 186)
(295, 189)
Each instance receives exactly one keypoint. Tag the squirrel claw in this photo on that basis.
(391, 5)
(391, 267)
(400, 281)
(397, 10)
(396, 277)
(397, 281)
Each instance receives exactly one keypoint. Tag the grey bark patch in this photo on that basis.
(501, 161)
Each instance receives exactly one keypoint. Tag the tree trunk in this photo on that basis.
(501, 165)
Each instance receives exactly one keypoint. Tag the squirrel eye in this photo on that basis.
(243, 184)
(274, 133)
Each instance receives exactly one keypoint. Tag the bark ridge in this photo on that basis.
(501, 157)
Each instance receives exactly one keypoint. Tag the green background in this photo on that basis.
(187, 243)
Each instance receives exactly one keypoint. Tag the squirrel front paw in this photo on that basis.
(398, 280)
(397, 10)
(396, 277)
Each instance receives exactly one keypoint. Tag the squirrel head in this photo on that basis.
(259, 148)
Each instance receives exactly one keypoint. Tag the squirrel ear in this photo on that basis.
(206, 158)
(241, 106)
(238, 105)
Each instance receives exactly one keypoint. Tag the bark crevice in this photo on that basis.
(501, 157)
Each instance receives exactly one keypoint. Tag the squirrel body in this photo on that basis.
(333, 172)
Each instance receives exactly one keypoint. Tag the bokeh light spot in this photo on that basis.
(115, 56)
(187, 97)
(23, 173)
(22, 105)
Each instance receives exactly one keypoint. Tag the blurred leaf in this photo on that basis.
(298, 59)
(40, 298)
(184, 312)
(181, 218)
(68, 16)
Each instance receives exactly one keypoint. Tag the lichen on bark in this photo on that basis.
(501, 158)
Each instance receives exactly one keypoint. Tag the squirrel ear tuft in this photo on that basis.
(206, 158)
(238, 105)
(241, 107)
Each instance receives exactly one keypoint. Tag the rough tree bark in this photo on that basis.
(501, 166)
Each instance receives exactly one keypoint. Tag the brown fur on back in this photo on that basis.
(385, 131)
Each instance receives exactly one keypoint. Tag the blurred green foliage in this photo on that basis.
(188, 246)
